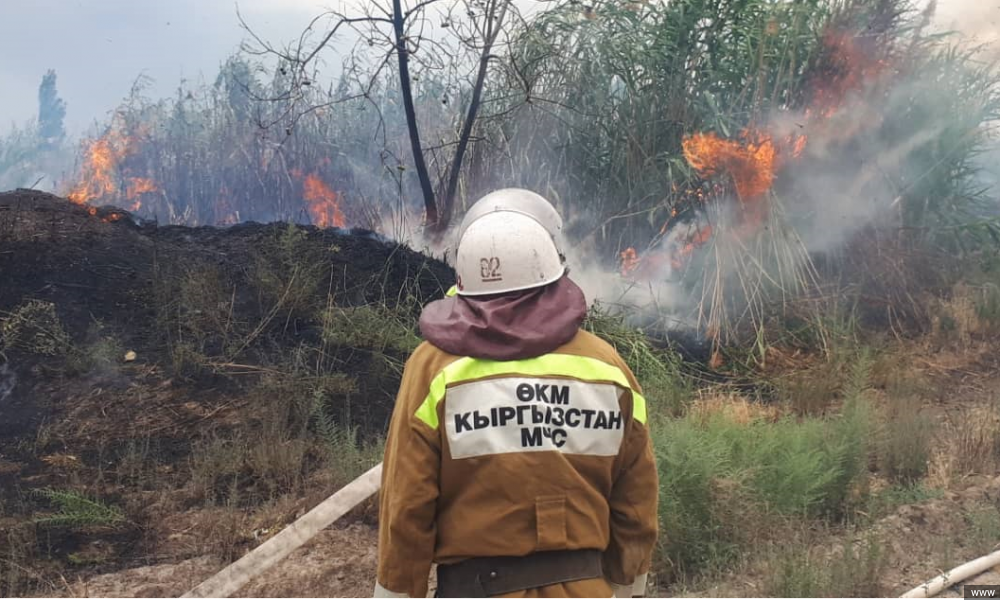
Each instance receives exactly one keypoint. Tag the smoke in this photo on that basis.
(900, 151)
(976, 19)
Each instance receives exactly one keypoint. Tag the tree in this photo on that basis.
(395, 33)
(51, 110)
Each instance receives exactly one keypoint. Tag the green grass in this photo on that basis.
(983, 523)
(723, 483)
(884, 502)
(667, 388)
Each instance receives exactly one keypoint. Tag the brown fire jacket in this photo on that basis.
(507, 458)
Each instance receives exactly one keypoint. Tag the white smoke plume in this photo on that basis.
(977, 19)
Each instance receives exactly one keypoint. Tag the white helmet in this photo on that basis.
(506, 251)
(519, 201)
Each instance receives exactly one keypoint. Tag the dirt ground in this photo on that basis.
(339, 562)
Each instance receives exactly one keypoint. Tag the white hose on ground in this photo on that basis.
(957, 575)
(232, 578)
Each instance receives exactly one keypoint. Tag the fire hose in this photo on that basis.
(955, 576)
(227, 581)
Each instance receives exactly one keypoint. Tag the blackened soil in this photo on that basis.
(79, 419)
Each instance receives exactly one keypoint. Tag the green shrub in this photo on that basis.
(375, 327)
(287, 273)
(806, 468)
(76, 511)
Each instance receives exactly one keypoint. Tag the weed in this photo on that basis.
(227, 531)
(988, 305)
(970, 311)
(216, 463)
(17, 546)
(135, 461)
(793, 573)
(34, 327)
(976, 440)
(205, 305)
(904, 446)
(187, 360)
(983, 528)
(812, 392)
(884, 502)
(374, 327)
(349, 457)
(76, 511)
(287, 272)
(854, 570)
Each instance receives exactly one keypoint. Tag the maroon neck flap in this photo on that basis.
(510, 326)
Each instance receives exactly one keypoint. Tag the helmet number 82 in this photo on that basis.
(489, 269)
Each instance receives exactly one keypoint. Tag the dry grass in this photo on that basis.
(969, 313)
(732, 406)
(977, 440)
(906, 437)
(967, 444)
(811, 392)
(849, 570)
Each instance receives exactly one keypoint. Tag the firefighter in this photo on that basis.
(518, 458)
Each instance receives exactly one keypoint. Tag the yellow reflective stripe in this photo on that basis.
(452, 291)
(638, 407)
(550, 365)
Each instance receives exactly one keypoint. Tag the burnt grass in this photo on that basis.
(229, 331)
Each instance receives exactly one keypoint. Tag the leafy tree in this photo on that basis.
(51, 109)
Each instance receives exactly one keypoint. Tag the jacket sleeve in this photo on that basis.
(633, 503)
(410, 489)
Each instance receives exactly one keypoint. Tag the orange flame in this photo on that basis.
(630, 260)
(138, 186)
(322, 201)
(100, 171)
(698, 239)
(101, 159)
(750, 164)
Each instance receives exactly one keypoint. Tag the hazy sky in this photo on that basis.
(99, 47)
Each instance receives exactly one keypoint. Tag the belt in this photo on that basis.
(493, 576)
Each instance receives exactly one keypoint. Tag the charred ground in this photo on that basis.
(152, 371)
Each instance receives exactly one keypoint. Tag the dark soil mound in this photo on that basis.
(111, 276)
(164, 370)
